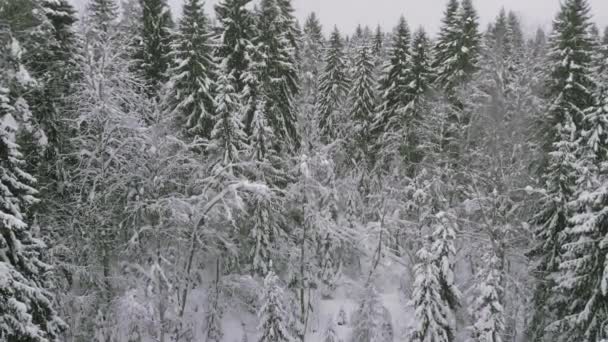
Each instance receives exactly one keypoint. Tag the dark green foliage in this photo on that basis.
(333, 88)
(237, 30)
(156, 44)
(191, 87)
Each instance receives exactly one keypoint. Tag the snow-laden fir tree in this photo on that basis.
(368, 320)
(27, 305)
(273, 317)
(390, 121)
(276, 71)
(584, 273)
(432, 312)
(265, 214)
(421, 76)
(190, 89)
(228, 138)
(487, 309)
(237, 30)
(311, 53)
(444, 251)
(457, 46)
(333, 88)
(311, 65)
(569, 90)
(156, 43)
(363, 107)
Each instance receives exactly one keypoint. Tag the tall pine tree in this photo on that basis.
(569, 90)
(190, 90)
(333, 88)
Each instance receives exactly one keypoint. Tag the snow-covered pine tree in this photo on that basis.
(444, 252)
(457, 47)
(367, 321)
(378, 43)
(487, 309)
(584, 276)
(273, 316)
(290, 26)
(27, 306)
(131, 23)
(189, 94)
(237, 30)
(390, 121)
(333, 88)
(363, 107)
(311, 65)
(228, 138)
(277, 70)
(264, 208)
(421, 76)
(433, 312)
(313, 44)
(569, 89)
(156, 44)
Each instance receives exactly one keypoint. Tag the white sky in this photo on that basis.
(347, 14)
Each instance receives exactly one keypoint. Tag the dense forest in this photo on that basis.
(240, 176)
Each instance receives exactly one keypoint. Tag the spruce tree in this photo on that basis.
(456, 49)
(277, 71)
(228, 138)
(583, 275)
(363, 105)
(237, 30)
(190, 90)
(432, 311)
(273, 316)
(394, 90)
(27, 306)
(367, 322)
(569, 90)
(313, 44)
(156, 43)
(333, 88)
(488, 311)
(444, 251)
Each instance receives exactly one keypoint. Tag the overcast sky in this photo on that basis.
(347, 14)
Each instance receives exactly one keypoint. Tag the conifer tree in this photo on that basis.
(189, 94)
(333, 88)
(313, 44)
(583, 275)
(27, 306)
(156, 43)
(237, 31)
(367, 324)
(273, 316)
(445, 253)
(228, 138)
(378, 45)
(433, 313)
(363, 104)
(394, 91)
(569, 90)
(457, 46)
(277, 70)
(487, 309)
